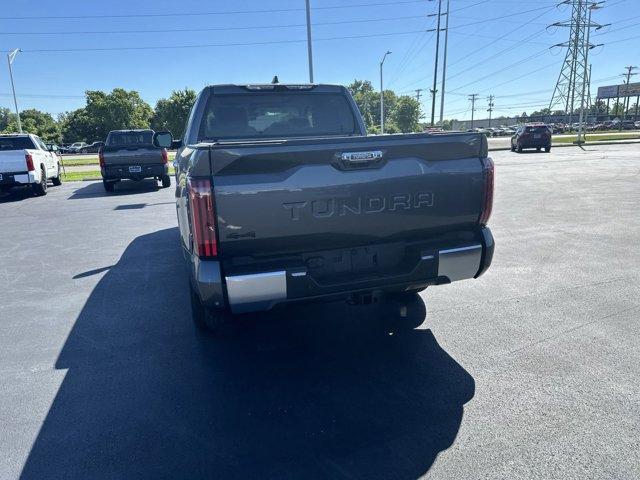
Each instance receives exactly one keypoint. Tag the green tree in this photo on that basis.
(172, 113)
(77, 126)
(406, 114)
(120, 109)
(617, 109)
(36, 122)
(6, 116)
(368, 101)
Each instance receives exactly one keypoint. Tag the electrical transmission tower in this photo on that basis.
(574, 75)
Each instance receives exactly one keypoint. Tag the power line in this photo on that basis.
(236, 44)
(198, 14)
(214, 29)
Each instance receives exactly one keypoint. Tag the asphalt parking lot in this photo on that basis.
(529, 372)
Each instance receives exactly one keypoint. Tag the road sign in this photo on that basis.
(610, 91)
(630, 90)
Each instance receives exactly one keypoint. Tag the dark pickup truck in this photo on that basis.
(131, 154)
(282, 197)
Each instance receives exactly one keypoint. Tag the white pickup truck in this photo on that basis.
(25, 160)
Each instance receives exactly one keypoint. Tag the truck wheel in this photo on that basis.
(538, 149)
(166, 181)
(57, 181)
(40, 189)
(207, 319)
(108, 186)
(519, 148)
(547, 149)
(513, 148)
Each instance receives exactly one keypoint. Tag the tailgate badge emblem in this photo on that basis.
(361, 157)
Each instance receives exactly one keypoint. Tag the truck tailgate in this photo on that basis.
(13, 161)
(132, 156)
(311, 195)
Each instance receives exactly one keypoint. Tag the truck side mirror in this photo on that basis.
(162, 139)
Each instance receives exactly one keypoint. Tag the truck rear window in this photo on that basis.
(16, 143)
(541, 129)
(128, 139)
(276, 115)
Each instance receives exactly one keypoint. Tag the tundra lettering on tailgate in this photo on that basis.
(358, 205)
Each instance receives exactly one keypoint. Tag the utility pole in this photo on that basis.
(435, 66)
(418, 93)
(444, 64)
(10, 57)
(585, 76)
(309, 47)
(473, 97)
(574, 67)
(490, 109)
(382, 93)
(627, 100)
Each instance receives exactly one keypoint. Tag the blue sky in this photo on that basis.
(497, 47)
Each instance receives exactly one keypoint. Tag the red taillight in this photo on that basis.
(29, 160)
(487, 204)
(101, 157)
(165, 156)
(202, 218)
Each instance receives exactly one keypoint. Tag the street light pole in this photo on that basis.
(309, 48)
(382, 93)
(10, 58)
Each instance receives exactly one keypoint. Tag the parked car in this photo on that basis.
(130, 154)
(93, 148)
(637, 124)
(52, 147)
(281, 197)
(76, 147)
(627, 125)
(26, 161)
(534, 135)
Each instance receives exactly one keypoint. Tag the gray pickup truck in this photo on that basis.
(282, 197)
(130, 154)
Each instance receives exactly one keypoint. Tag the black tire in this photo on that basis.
(513, 148)
(547, 149)
(207, 319)
(108, 186)
(519, 148)
(40, 189)
(57, 181)
(538, 149)
(83, 151)
(166, 181)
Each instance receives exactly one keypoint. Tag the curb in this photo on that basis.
(588, 144)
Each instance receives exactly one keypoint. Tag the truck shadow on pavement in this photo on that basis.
(304, 392)
(126, 187)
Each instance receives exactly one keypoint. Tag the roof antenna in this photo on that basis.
(275, 80)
